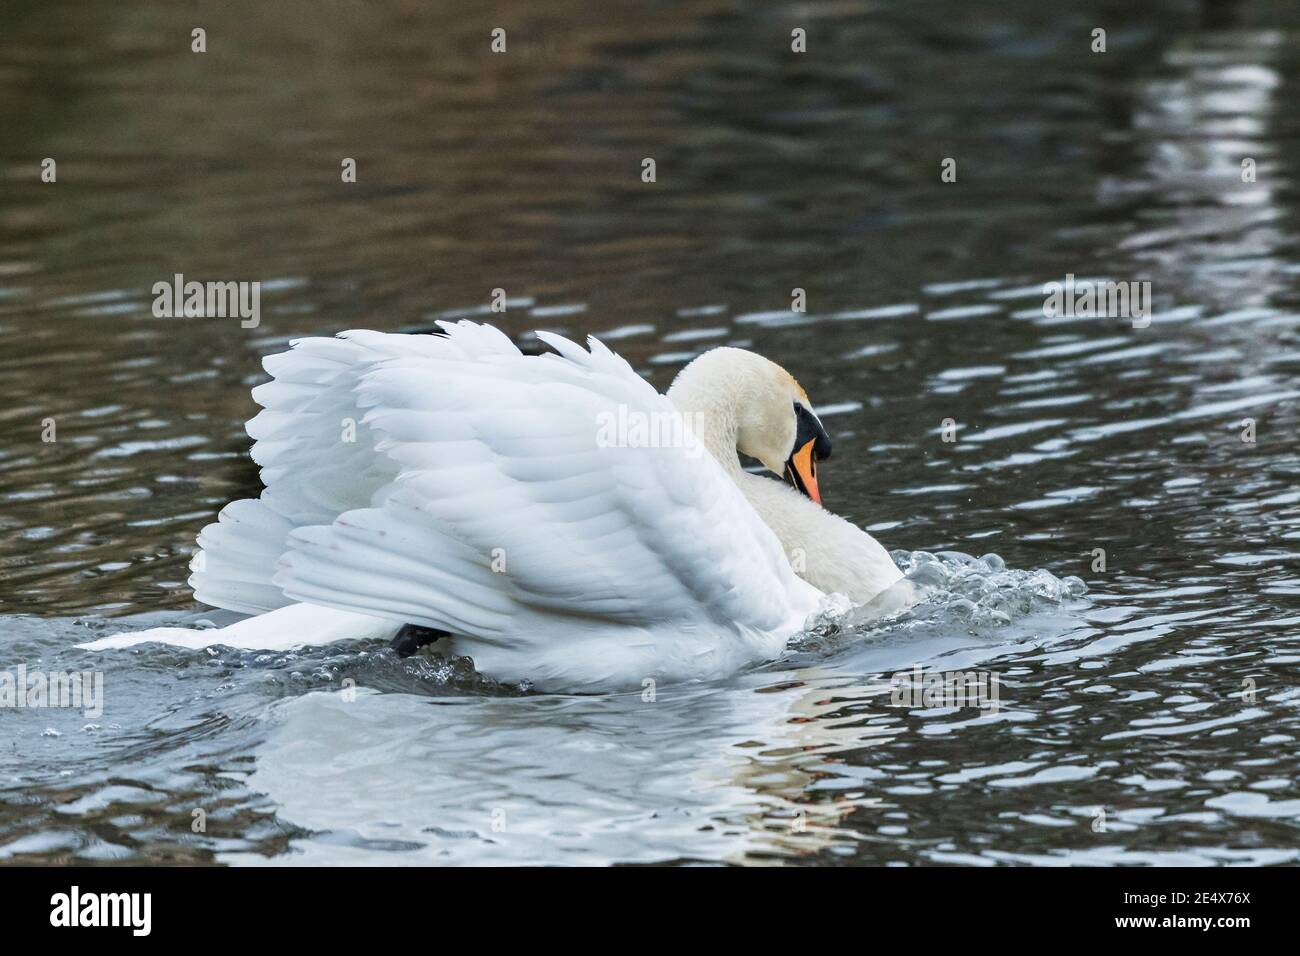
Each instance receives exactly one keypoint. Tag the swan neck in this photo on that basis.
(712, 419)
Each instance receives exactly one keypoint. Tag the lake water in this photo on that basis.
(1151, 717)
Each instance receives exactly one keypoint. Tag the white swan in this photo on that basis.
(558, 518)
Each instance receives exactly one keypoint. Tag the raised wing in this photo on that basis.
(518, 491)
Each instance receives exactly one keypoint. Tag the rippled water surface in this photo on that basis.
(1149, 717)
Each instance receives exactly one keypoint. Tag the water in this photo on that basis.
(1152, 719)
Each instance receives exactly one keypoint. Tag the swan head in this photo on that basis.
(756, 407)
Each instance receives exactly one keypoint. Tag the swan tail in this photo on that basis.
(296, 625)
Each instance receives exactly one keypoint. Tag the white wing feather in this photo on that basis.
(311, 471)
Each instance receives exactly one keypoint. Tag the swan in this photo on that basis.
(524, 509)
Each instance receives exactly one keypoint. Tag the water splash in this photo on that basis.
(983, 592)
(980, 596)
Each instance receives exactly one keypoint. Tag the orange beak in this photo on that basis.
(801, 471)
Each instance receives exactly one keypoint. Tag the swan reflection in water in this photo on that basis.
(774, 763)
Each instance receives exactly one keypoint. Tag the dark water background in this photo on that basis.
(775, 170)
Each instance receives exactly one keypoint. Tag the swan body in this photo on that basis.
(452, 482)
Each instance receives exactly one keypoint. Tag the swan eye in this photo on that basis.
(808, 428)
